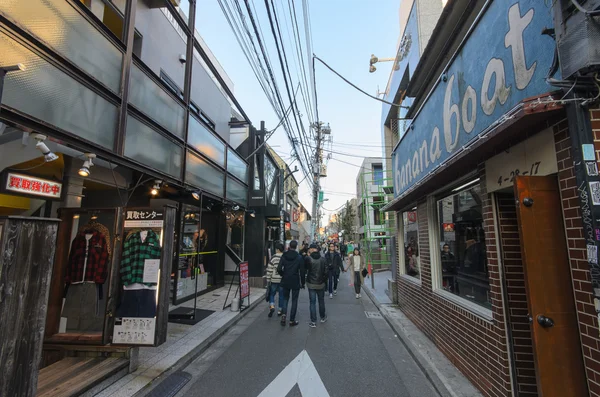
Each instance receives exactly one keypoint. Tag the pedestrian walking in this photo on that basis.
(334, 266)
(291, 269)
(274, 280)
(356, 263)
(343, 249)
(316, 278)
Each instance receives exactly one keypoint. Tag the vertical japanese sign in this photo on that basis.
(244, 279)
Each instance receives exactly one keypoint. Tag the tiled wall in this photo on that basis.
(475, 345)
(588, 321)
(515, 284)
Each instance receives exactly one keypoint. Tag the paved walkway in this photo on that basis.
(355, 353)
(444, 376)
(184, 342)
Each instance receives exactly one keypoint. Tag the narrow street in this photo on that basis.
(353, 355)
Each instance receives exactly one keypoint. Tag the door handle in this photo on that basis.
(544, 321)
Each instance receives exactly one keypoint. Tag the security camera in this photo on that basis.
(182, 58)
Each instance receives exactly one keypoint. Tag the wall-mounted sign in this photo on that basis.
(33, 186)
(493, 71)
(534, 156)
(134, 331)
(448, 227)
(143, 218)
(411, 216)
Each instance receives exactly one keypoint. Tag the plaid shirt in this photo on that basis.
(90, 255)
(135, 252)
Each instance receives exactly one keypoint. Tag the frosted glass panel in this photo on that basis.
(236, 191)
(205, 142)
(236, 166)
(62, 28)
(201, 174)
(151, 99)
(48, 94)
(149, 147)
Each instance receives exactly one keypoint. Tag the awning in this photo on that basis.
(531, 115)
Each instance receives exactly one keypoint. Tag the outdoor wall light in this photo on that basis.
(84, 171)
(156, 187)
(41, 146)
(252, 213)
(196, 195)
(235, 207)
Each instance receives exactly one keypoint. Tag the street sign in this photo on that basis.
(321, 196)
(302, 372)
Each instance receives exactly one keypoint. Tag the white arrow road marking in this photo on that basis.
(300, 371)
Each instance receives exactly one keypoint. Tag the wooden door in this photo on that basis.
(556, 343)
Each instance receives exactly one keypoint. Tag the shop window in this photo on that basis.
(462, 245)
(62, 27)
(206, 142)
(410, 231)
(235, 233)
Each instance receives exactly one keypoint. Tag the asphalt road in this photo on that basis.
(349, 355)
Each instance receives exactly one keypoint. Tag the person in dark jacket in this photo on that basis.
(334, 266)
(291, 269)
(316, 279)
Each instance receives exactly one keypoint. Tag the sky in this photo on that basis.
(344, 34)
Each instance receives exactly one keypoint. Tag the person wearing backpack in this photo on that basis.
(274, 280)
(291, 269)
(334, 266)
(316, 279)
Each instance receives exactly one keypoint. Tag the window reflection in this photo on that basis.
(235, 232)
(463, 250)
(412, 263)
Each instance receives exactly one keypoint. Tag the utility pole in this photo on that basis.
(317, 167)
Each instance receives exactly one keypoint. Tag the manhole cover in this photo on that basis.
(373, 315)
(171, 385)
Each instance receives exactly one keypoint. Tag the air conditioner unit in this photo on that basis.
(577, 37)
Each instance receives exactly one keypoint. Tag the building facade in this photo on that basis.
(494, 173)
(116, 118)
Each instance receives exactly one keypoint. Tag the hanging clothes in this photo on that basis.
(135, 252)
(89, 258)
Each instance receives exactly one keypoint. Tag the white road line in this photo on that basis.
(300, 371)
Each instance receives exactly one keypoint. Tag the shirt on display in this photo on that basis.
(136, 251)
(88, 259)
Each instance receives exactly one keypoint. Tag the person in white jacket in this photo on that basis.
(274, 279)
(356, 264)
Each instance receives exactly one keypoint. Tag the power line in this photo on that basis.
(353, 85)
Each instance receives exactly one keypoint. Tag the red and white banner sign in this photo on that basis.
(244, 280)
(33, 186)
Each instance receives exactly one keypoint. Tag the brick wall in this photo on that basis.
(476, 346)
(586, 313)
(517, 299)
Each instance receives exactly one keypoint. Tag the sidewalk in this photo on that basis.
(184, 344)
(446, 378)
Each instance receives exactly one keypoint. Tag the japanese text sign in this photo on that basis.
(244, 280)
(33, 186)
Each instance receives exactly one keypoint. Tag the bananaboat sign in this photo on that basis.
(504, 60)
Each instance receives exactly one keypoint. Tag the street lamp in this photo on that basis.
(7, 69)
(375, 59)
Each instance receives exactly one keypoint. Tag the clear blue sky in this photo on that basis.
(345, 34)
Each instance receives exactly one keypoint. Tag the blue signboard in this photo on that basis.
(505, 60)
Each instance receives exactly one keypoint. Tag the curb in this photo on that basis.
(198, 350)
(430, 373)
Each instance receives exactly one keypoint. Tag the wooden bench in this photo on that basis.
(72, 376)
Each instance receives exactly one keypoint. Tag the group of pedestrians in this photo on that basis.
(289, 271)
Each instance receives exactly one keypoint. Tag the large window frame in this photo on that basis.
(435, 242)
(402, 243)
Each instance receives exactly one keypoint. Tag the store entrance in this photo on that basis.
(552, 317)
